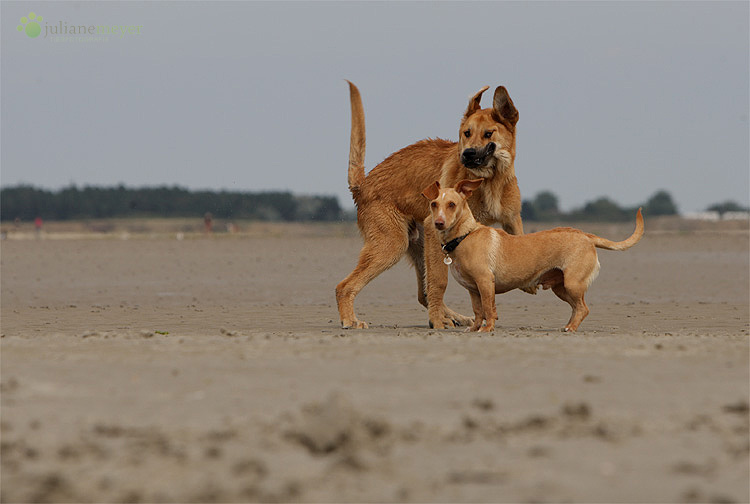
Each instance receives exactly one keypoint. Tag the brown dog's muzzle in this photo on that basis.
(474, 158)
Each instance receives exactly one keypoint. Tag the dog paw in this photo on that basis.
(354, 324)
(450, 322)
(456, 319)
(532, 289)
(442, 323)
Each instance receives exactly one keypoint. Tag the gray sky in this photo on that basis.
(615, 99)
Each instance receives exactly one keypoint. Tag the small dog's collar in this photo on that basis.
(451, 245)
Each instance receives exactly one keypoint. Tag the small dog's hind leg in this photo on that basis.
(574, 297)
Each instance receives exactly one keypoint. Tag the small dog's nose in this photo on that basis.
(440, 224)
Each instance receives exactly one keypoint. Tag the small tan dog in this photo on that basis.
(489, 261)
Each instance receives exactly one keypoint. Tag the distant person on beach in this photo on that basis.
(38, 226)
(208, 222)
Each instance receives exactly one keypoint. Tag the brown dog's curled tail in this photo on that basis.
(356, 142)
(625, 244)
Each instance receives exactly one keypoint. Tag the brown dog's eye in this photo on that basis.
(433, 204)
(487, 134)
(467, 133)
(451, 205)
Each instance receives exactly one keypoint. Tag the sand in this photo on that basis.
(143, 368)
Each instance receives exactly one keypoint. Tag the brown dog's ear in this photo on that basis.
(467, 187)
(503, 105)
(432, 191)
(474, 102)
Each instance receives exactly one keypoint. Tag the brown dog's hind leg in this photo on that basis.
(379, 253)
(415, 253)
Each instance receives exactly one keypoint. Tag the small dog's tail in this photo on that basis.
(356, 142)
(625, 244)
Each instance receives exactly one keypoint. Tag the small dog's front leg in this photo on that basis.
(476, 304)
(486, 288)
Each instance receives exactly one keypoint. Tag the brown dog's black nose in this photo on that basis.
(473, 157)
(469, 156)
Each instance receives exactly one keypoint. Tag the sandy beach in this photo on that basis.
(140, 367)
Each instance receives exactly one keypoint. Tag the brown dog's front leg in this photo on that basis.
(436, 273)
(516, 227)
(511, 215)
(437, 276)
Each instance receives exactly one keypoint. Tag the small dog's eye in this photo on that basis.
(488, 134)
(451, 205)
(433, 204)
(467, 133)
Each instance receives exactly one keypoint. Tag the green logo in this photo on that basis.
(32, 28)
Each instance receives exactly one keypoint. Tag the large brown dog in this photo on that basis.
(391, 211)
(489, 261)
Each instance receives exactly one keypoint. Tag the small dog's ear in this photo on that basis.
(467, 187)
(474, 102)
(432, 191)
(503, 105)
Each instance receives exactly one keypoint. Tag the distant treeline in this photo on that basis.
(27, 202)
(544, 207)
